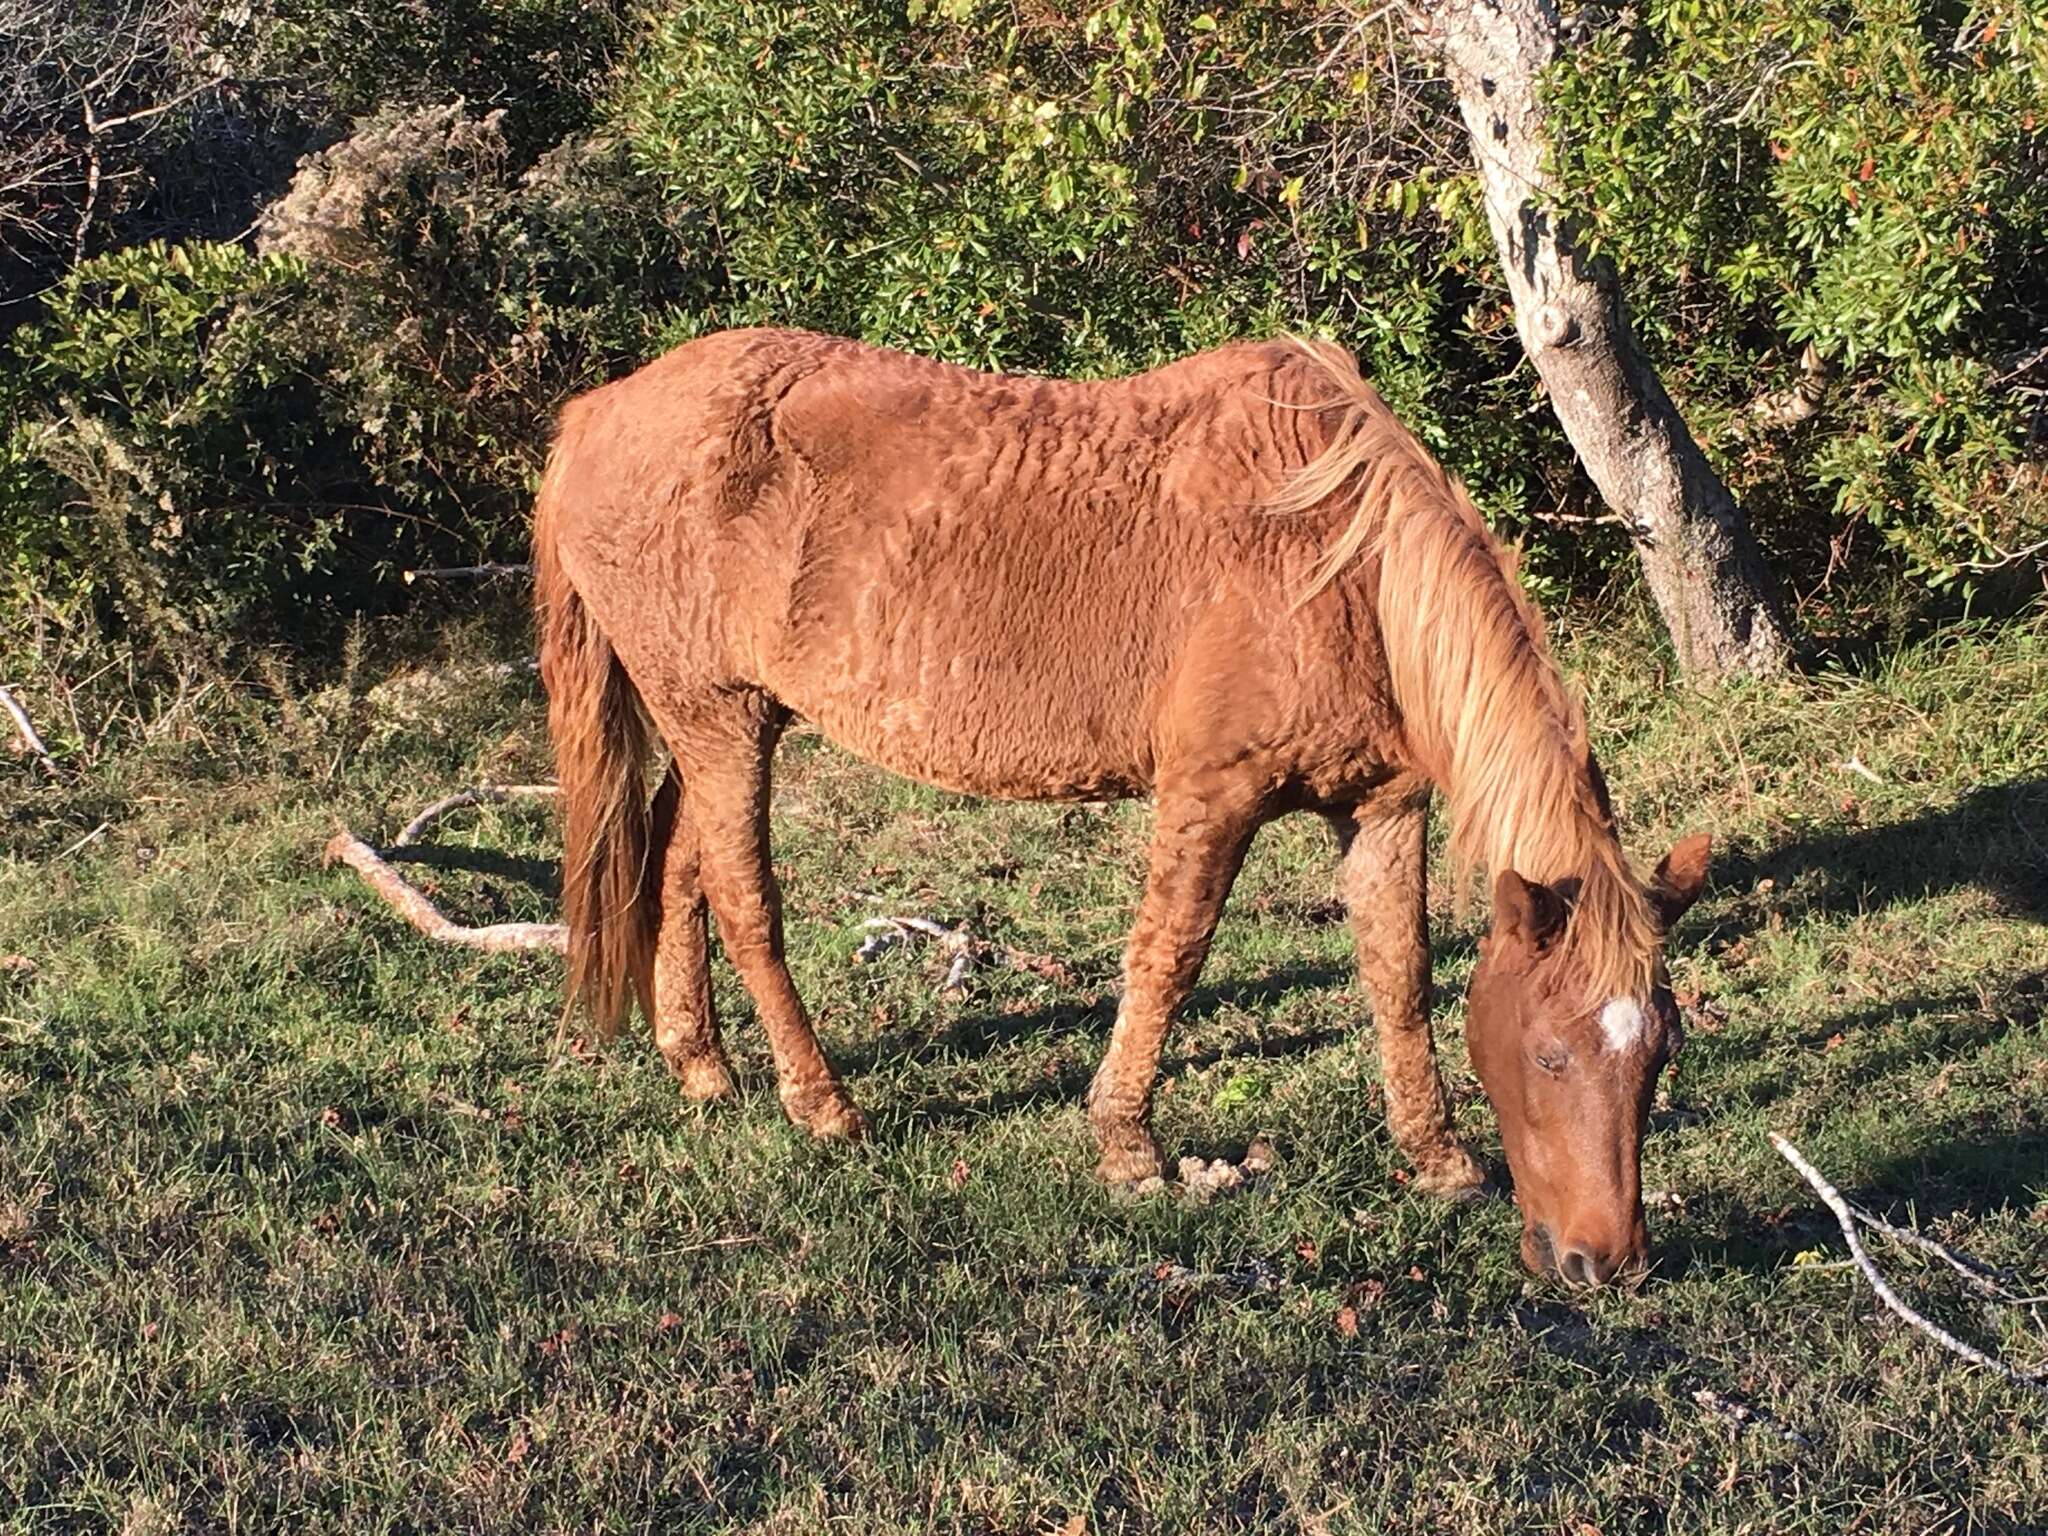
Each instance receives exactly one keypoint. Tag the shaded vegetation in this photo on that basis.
(1827, 218)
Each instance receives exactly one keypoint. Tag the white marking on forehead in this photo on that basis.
(1623, 1023)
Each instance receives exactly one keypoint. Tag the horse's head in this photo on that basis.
(1572, 1079)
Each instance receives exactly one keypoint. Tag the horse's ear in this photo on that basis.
(1533, 913)
(1680, 879)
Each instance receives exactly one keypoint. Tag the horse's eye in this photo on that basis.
(1554, 1060)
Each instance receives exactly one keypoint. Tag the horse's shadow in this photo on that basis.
(978, 1035)
(1089, 1011)
(541, 876)
(1995, 838)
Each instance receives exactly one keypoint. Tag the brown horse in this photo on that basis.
(1236, 584)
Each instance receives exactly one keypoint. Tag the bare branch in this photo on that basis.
(1981, 1278)
(104, 125)
(1802, 400)
(412, 904)
(1845, 1217)
(483, 794)
(489, 571)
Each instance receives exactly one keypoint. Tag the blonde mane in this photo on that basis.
(1483, 704)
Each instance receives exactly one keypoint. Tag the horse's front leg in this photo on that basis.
(1385, 881)
(1198, 845)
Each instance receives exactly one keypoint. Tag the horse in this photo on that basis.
(1236, 584)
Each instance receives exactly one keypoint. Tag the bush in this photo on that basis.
(209, 442)
(203, 439)
(1091, 191)
(158, 443)
(1866, 187)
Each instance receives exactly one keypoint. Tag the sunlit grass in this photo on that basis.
(306, 1222)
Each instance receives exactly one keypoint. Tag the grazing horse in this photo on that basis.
(1236, 584)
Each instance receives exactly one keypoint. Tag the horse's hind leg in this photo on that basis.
(1385, 874)
(1198, 845)
(723, 748)
(685, 1022)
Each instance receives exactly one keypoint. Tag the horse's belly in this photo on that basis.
(991, 743)
(952, 661)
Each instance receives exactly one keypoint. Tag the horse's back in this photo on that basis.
(988, 581)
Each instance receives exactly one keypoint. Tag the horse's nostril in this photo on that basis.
(1583, 1268)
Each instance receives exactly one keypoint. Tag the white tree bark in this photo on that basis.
(1709, 579)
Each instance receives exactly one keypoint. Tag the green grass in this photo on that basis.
(306, 1223)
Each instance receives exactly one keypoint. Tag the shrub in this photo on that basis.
(208, 440)
(1088, 191)
(1865, 186)
(158, 443)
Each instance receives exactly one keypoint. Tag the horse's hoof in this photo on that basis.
(1452, 1174)
(836, 1119)
(703, 1078)
(1128, 1169)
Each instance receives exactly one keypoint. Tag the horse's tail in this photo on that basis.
(601, 739)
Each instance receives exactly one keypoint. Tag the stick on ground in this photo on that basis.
(412, 904)
(1845, 1217)
(483, 794)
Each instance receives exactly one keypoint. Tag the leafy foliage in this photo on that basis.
(147, 477)
(1828, 217)
(207, 439)
(1088, 190)
(1869, 181)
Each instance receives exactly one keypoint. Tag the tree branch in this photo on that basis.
(412, 904)
(483, 794)
(1845, 1217)
(25, 728)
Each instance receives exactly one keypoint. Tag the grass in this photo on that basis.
(306, 1222)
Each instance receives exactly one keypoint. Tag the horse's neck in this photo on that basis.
(1491, 723)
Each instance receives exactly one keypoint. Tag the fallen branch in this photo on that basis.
(415, 907)
(1845, 1217)
(483, 794)
(967, 951)
(1981, 1278)
(26, 730)
(412, 904)
(91, 837)
(1743, 1417)
(490, 570)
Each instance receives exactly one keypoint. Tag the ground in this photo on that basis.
(307, 1222)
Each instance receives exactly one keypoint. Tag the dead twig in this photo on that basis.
(91, 837)
(1846, 1218)
(1855, 765)
(26, 730)
(1802, 401)
(1742, 1416)
(1981, 1278)
(490, 570)
(413, 904)
(483, 794)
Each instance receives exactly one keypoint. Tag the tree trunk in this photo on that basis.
(1709, 579)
